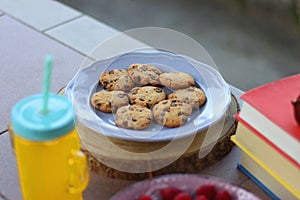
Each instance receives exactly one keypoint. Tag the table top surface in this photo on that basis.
(24, 44)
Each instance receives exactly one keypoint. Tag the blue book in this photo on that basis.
(255, 180)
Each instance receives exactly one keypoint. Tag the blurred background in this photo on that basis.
(252, 41)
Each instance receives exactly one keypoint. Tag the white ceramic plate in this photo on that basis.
(85, 83)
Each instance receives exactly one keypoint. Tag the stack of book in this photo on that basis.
(269, 137)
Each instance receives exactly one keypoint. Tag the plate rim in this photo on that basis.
(70, 87)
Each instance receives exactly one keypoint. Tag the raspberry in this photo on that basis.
(144, 197)
(223, 195)
(201, 197)
(182, 196)
(206, 190)
(169, 193)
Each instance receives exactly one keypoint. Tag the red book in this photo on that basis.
(269, 110)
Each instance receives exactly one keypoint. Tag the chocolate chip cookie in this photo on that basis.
(144, 74)
(176, 80)
(133, 117)
(171, 113)
(191, 95)
(109, 101)
(146, 95)
(116, 79)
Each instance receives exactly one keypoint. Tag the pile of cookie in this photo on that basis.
(139, 94)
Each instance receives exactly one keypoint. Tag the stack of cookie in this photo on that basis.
(143, 93)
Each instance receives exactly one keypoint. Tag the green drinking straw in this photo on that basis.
(46, 84)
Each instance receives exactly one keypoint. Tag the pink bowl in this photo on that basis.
(186, 182)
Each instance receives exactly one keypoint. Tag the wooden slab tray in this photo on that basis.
(134, 155)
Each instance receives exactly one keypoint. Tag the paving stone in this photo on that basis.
(251, 186)
(39, 14)
(101, 187)
(9, 181)
(226, 168)
(22, 55)
(89, 34)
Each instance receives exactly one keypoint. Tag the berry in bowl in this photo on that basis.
(183, 187)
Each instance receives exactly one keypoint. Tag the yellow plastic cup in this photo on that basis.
(47, 148)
